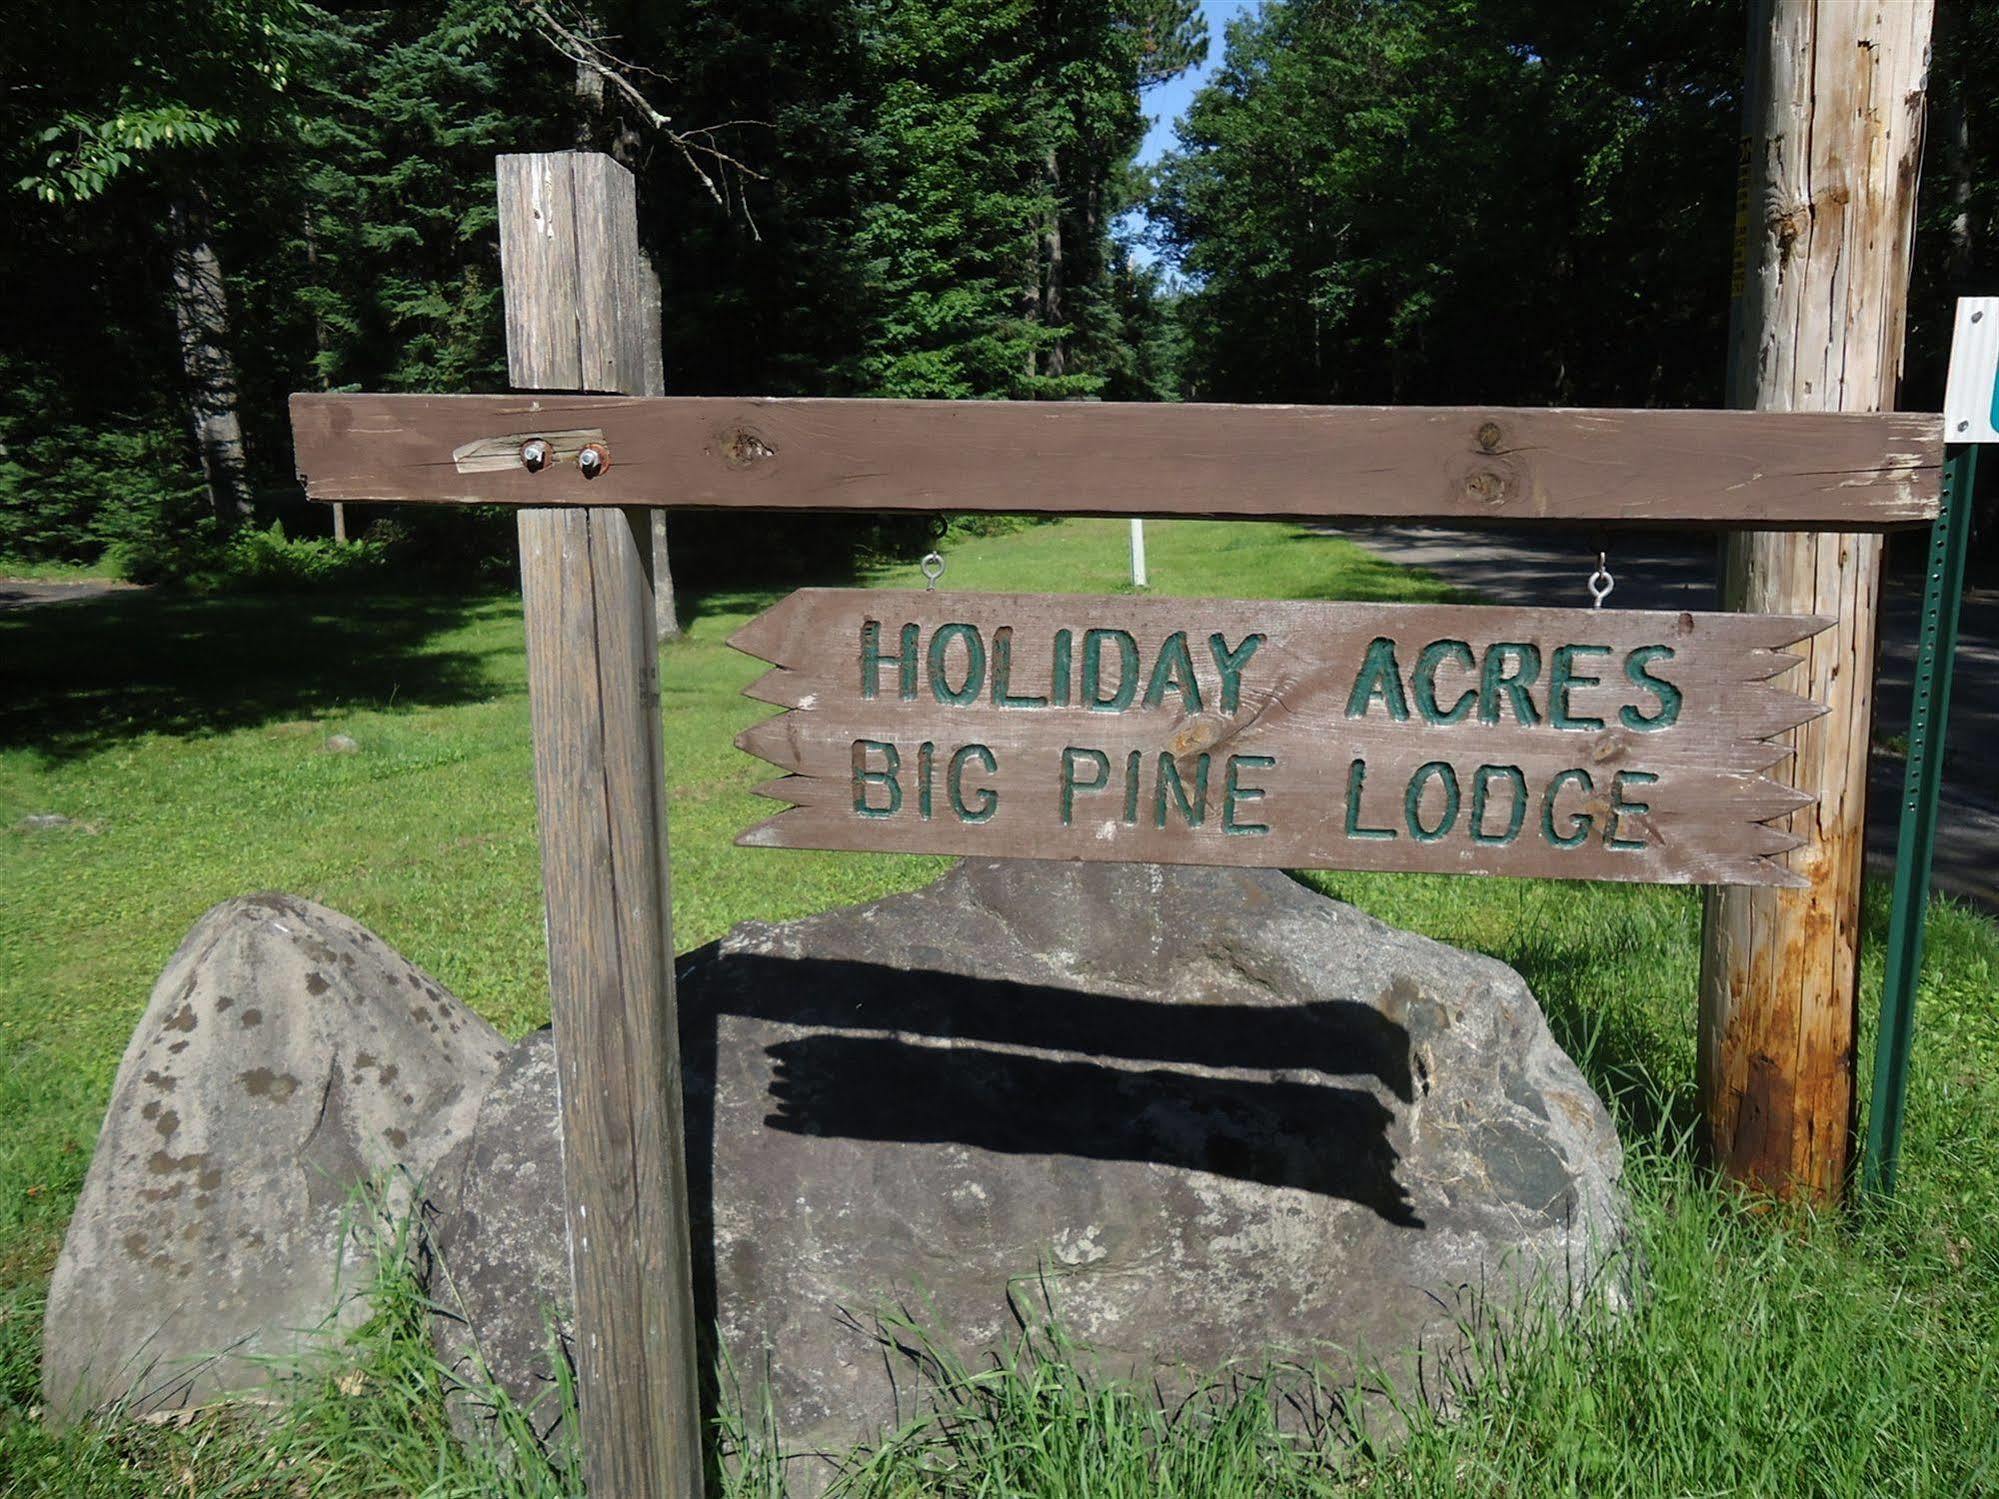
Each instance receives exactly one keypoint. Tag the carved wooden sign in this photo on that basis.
(1563, 743)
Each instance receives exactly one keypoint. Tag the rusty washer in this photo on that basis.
(593, 459)
(534, 454)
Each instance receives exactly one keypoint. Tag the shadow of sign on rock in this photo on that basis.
(926, 1084)
(1271, 1133)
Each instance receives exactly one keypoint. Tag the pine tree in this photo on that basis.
(1442, 200)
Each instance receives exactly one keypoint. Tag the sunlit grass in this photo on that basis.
(187, 741)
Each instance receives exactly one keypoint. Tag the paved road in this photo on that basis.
(1676, 571)
(16, 593)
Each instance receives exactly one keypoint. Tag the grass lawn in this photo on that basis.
(16, 569)
(186, 739)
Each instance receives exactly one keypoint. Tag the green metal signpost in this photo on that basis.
(1971, 419)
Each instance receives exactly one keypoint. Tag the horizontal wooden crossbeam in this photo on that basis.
(1759, 469)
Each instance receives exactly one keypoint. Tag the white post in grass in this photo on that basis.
(1137, 553)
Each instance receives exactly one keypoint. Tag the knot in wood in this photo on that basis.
(1200, 732)
(1487, 487)
(1488, 435)
(742, 447)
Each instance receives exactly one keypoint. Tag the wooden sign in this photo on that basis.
(1566, 743)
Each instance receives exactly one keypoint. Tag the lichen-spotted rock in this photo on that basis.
(1218, 1116)
(287, 1055)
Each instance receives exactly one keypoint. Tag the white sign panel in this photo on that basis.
(1971, 398)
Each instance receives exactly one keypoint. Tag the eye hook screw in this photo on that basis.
(1600, 582)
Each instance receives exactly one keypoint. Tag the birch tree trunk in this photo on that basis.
(201, 318)
(1056, 363)
(311, 236)
(1957, 126)
(1833, 127)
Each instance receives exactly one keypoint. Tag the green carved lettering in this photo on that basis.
(1380, 675)
(1058, 685)
(1169, 779)
(1495, 679)
(865, 777)
(1563, 676)
(1613, 836)
(1668, 695)
(1131, 762)
(1003, 696)
(926, 759)
(1356, 784)
(1093, 661)
(1174, 670)
(1580, 823)
(975, 664)
(986, 797)
(872, 660)
(1230, 664)
(1481, 791)
(1445, 775)
(1072, 758)
(1235, 793)
(1435, 654)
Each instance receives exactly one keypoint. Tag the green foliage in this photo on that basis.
(1442, 200)
(1958, 206)
(85, 154)
(129, 87)
(1172, 37)
(269, 561)
(387, 274)
(1034, 1420)
(951, 232)
(918, 201)
(74, 489)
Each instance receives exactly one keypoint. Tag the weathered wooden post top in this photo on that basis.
(1574, 743)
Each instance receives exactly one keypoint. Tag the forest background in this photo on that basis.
(213, 204)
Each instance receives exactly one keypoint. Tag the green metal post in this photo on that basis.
(1943, 591)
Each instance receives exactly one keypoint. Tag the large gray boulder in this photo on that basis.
(287, 1057)
(501, 1254)
(1223, 1117)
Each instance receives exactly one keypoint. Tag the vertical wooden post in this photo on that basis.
(570, 260)
(1833, 125)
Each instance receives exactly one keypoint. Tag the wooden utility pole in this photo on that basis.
(1832, 145)
(576, 320)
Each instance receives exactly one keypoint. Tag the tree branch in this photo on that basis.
(587, 53)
